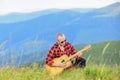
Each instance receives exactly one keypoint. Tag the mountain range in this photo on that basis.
(33, 33)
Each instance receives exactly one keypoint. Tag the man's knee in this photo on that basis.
(83, 62)
(80, 62)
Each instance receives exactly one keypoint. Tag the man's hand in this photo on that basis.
(60, 64)
(79, 54)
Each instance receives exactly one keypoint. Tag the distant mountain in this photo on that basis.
(38, 32)
(111, 10)
(20, 17)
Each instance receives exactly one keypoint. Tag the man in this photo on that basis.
(60, 48)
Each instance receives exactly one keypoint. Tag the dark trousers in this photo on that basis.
(80, 63)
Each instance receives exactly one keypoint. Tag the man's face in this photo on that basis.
(61, 40)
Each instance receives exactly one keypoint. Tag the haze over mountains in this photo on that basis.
(33, 32)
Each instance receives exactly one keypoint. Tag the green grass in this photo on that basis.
(103, 63)
(91, 72)
(107, 53)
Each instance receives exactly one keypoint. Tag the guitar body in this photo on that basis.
(58, 70)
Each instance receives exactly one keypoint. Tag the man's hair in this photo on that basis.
(59, 34)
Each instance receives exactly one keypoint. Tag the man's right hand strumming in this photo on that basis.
(60, 64)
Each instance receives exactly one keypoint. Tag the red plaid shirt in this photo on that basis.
(56, 52)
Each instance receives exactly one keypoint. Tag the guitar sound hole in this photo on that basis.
(63, 61)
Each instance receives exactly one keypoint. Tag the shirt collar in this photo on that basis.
(56, 44)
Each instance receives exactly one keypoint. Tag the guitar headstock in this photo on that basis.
(86, 48)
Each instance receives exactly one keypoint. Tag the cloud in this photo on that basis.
(8, 6)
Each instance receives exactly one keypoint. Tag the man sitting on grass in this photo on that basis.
(60, 48)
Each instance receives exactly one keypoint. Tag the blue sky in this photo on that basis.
(22, 6)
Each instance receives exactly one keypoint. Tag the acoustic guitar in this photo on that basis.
(64, 58)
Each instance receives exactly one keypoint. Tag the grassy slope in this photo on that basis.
(104, 53)
(107, 53)
(88, 73)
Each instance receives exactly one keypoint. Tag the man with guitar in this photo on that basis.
(62, 47)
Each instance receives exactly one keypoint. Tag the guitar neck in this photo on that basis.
(74, 55)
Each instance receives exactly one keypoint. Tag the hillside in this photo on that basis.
(102, 64)
(107, 53)
(102, 53)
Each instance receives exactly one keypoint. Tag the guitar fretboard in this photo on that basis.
(82, 50)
